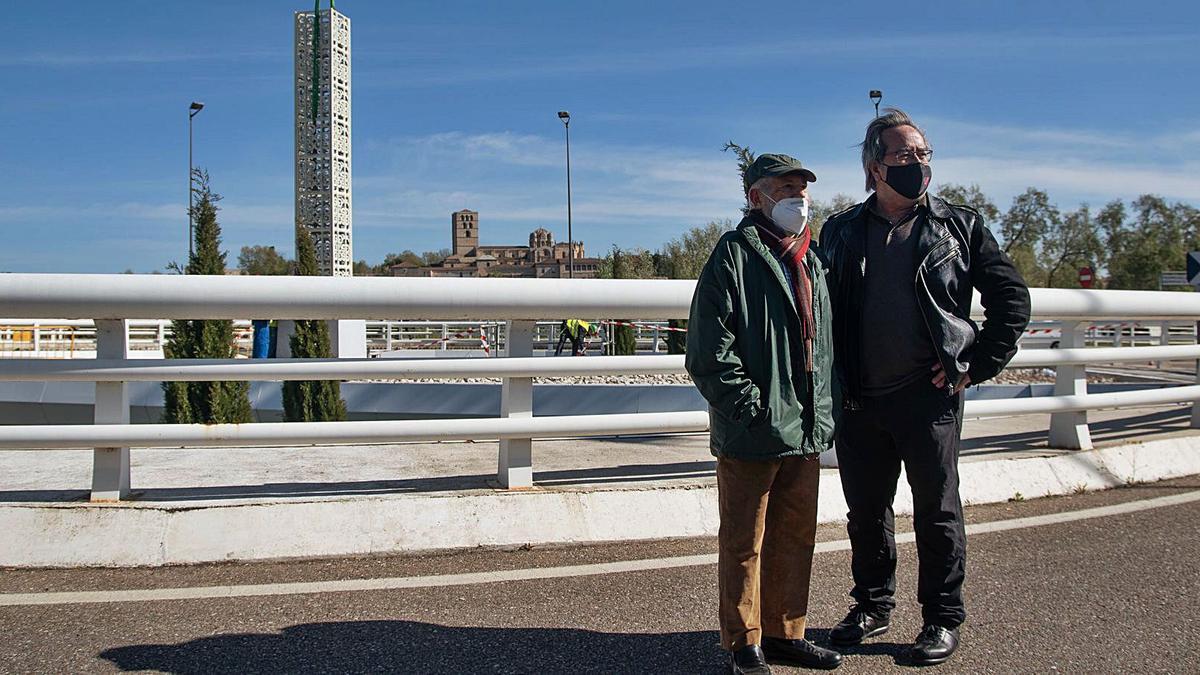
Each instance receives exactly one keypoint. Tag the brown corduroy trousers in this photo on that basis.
(766, 540)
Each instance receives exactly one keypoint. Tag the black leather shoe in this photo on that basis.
(800, 653)
(934, 645)
(860, 624)
(748, 660)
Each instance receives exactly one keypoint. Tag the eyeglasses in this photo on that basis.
(907, 156)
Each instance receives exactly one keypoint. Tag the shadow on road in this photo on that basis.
(413, 647)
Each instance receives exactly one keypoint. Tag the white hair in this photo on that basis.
(763, 185)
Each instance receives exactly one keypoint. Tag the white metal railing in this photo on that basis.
(114, 301)
(76, 338)
(203, 370)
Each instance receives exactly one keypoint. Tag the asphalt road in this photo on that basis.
(1104, 594)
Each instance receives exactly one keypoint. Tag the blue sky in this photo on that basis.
(454, 107)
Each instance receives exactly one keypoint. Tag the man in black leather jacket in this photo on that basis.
(903, 265)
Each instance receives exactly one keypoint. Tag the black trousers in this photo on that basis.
(576, 343)
(920, 426)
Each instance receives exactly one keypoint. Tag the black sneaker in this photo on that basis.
(748, 660)
(800, 653)
(860, 624)
(934, 645)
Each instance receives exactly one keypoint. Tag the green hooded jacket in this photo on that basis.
(745, 353)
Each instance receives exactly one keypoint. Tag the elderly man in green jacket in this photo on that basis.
(759, 350)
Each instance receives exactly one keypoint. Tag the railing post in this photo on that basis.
(349, 338)
(110, 466)
(1070, 429)
(1164, 338)
(1196, 404)
(515, 466)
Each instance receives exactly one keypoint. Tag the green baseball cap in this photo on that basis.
(770, 164)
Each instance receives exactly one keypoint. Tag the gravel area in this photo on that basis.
(1025, 376)
(1012, 376)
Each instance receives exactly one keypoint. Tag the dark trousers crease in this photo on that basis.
(920, 427)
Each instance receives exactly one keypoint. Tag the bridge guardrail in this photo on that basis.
(114, 300)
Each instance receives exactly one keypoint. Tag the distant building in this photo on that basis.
(542, 258)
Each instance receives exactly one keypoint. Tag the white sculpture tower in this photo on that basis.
(323, 194)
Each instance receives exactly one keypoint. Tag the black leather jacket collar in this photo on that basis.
(956, 254)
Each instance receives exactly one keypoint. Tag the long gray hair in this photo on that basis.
(873, 147)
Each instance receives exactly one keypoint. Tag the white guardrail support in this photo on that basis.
(1070, 429)
(110, 466)
(515, 467)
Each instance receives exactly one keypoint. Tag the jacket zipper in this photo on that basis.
(924, 318)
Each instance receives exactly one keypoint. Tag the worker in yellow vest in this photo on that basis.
(577, 330)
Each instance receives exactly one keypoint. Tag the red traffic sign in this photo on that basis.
(1085, 277)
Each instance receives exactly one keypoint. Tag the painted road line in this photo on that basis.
(498, 576)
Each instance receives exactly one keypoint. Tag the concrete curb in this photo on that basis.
(153, 534)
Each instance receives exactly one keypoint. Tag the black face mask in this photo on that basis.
(909, 180)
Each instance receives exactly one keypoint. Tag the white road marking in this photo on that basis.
(440, 580)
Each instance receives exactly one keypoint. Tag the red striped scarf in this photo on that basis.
(790, 249)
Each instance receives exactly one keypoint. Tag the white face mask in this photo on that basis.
(790, 214)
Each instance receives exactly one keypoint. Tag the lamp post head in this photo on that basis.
(195, 107)
(564, 116)
(876, 96)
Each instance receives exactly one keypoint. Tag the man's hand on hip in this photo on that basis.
(939, 379)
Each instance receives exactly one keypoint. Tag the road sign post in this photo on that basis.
(1193, 269)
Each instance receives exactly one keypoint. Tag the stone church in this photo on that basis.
(542, 258)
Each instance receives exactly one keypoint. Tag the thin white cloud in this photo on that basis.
(616, 184)
(1070, 182)
(132, 210)
(642, 195)
(230, 213)
(102, 58)
(617, 59)
(278, 215)
(1008, 144)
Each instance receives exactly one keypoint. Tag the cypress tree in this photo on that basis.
(676, 341)
(311, 401)
(204, 402)
(624, 341)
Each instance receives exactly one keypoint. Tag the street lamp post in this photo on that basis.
(566, 118)
(193, 110)
(876, 96)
